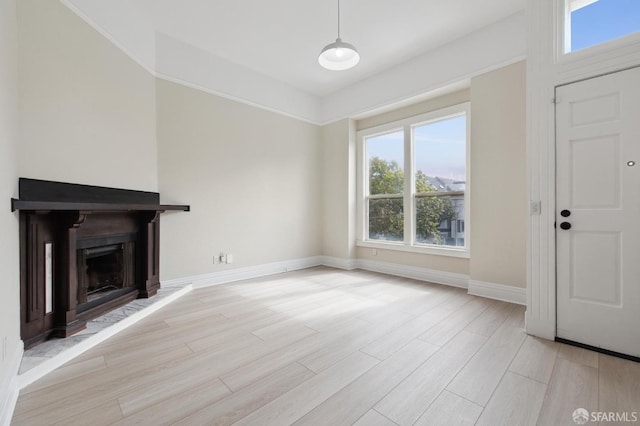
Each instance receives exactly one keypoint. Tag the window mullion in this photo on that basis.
(364, 198)
(409, 185)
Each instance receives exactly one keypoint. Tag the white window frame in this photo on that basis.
(409, 244)
(563, 40)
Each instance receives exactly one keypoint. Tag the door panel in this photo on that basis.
(598, 243)
(593, 110)
(601, 284)
(589, 189)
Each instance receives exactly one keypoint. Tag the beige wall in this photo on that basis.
(338, 188)
(252, 178)
(429, 105)
(429, 261)
(87, 110)
(498, 177)
(9, 284)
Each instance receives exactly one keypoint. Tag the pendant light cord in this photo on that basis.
(338, 18)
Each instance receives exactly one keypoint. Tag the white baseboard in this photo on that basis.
(477, 288)
(545, 329)
(416, 273)
(339, 263)
(239, 274)
(10, 388)
(495, 291)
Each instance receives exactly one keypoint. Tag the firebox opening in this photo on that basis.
(105, 272)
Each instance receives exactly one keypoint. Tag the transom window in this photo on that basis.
(592, 22)
(413, 178)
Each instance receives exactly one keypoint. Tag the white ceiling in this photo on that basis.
(281, 39)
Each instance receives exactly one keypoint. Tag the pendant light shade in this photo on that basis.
(339, 55)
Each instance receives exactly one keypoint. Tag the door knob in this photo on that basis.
(565, 213)
(565, 225)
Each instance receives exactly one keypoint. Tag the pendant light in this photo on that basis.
(339, 55)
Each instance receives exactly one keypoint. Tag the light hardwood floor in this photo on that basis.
(329, 347)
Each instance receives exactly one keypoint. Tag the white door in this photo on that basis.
(598, 197)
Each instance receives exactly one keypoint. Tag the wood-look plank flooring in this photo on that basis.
(329, 347)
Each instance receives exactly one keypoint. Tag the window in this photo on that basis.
(592, 22)
(413, 183)
(385, 159)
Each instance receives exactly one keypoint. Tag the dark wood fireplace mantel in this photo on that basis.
(57, 196)
(68, 206)
(59, 224)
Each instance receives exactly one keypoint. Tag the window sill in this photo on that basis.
(438, 251)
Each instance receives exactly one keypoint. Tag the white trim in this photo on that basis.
(449, 251)
(10, 388)
(416, 273)
(506, 293)
(48, 366)
(442, 90)
(239, 274)
(490, 290)
(540, 317)
(340, 263)
(579, 4)
(211, 91)
(608, 57)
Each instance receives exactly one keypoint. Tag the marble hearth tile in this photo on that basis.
(107, 319)
(95, 327)
(29, 362)
(53, 347)
(47, 350)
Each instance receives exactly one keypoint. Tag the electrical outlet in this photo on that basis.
(374, 252)
(216, 259)
(228, 258)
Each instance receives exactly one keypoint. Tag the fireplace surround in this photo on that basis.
(84, 250)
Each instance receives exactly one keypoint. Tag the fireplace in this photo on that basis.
(84, 250)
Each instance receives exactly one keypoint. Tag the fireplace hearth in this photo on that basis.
(84, 250)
